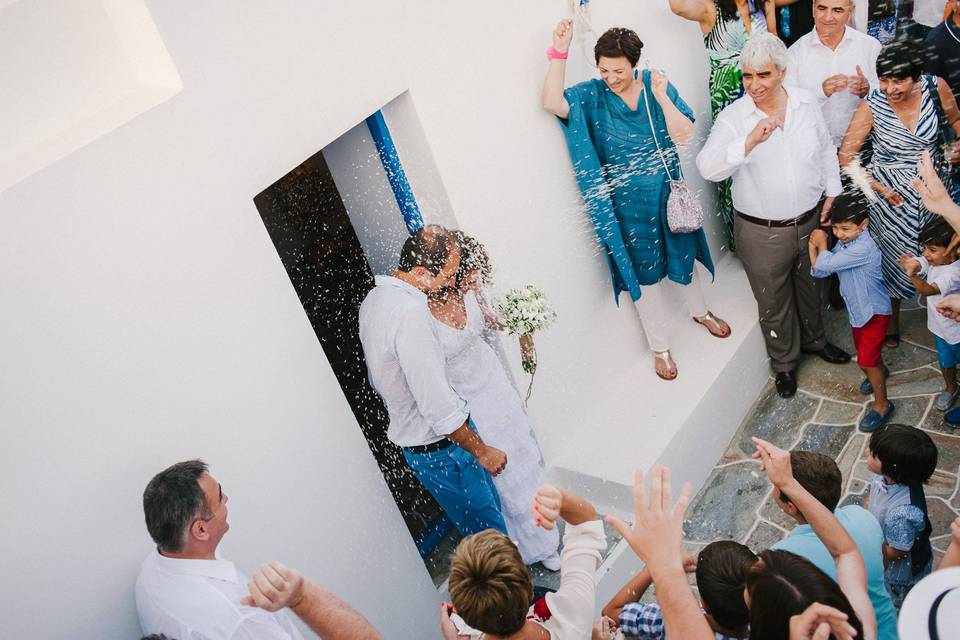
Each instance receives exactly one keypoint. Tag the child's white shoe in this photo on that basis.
(945, 399)
(552, 563)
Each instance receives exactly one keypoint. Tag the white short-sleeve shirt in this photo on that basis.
(200, 600)
(947, 279)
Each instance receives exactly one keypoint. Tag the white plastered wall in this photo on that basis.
(148, 319)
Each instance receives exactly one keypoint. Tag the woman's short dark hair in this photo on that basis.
(902, 58)
(619, 42)
(907, 455)
(429, 247)
(782, 584)
(473, 257)
(721, 574)
(172, 500)
(936, 233)
(849, 206)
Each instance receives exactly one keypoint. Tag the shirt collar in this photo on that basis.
(406, 287)
(855, 240)
(793, 100)
(217, 569)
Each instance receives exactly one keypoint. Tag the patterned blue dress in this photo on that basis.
(896, 152)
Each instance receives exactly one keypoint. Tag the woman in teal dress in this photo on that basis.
(625, 186)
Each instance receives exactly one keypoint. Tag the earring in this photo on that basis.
(636, 74)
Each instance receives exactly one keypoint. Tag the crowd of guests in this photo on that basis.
(785, 121)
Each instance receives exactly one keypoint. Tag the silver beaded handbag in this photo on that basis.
(684, 211)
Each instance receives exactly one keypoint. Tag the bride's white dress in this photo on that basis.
(475, 373)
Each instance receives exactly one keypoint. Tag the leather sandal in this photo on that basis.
(665, 357)
(714, 321)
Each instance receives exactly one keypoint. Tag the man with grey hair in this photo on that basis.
(185, 591)
(835, 63)
(775, 145)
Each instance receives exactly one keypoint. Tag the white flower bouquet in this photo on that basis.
(523, 312)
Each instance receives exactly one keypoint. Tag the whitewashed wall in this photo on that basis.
(147, 318)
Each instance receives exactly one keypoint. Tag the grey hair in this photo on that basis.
(172, 501)
(761, 49)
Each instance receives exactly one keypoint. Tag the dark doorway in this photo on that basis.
(311, 230)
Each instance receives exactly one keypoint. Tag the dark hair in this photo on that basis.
(819, 474)
(782, 584)
(902, 58)
(155, 636)
(721, 574)
(172, 500)
(936, 233)
(429, 247)
(473, 257)
(619, 43)
(849, 206)
(907, 455)
(729, 11)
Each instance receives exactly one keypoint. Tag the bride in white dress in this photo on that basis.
(477, 375)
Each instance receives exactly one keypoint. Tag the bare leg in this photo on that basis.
(893, 329)
(950, 379)
(879, 382)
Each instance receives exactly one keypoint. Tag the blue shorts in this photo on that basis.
(948, 354)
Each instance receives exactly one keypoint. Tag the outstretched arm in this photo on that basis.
(553, 100)
(275, 587)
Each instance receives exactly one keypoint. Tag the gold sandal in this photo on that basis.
(665, 357)
(715, 321)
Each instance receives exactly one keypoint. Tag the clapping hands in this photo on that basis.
(909, 264)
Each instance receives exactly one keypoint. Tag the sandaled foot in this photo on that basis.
(716, 326)
(666, 368)
(892, 341)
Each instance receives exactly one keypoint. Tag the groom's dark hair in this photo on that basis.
(429, 247)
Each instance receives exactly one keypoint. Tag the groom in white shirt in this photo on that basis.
(407, 368)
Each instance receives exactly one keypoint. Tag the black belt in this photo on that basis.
(439, 445)
(799, 220)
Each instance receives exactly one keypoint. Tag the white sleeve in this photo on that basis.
(571, 606)
(829, 163)
(723, 153)
(263, 625)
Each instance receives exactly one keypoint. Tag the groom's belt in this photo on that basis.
(439, 445)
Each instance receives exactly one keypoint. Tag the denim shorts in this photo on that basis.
(948, 354)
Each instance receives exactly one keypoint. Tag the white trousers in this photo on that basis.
(651, 311)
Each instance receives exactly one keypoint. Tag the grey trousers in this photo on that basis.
(777, 263)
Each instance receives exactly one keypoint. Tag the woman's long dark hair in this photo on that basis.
(782, 584)
(728, 8)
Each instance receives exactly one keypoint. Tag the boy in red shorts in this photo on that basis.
(856, 260)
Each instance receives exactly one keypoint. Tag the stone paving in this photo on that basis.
(823, 417)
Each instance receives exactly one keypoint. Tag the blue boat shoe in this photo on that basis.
(873, 420)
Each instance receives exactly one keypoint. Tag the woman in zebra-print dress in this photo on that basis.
(726, 25)
(903, 120)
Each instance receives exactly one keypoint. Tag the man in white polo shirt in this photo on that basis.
(834, 62)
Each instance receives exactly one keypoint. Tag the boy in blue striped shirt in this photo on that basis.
(856, 260)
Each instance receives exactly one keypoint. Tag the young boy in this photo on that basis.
(721, 570)
(935, 274)
(856, 260)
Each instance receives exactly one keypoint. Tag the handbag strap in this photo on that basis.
(653, 131)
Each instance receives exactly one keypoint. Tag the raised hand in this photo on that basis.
(658, 82)
(448, 629)
(762, 132)
(563, 35)
(274, 587)
(774, 461)
(858, 84)
(658, 523)
(546, 506)
(909, 264)
(835, 83)
(931, 189)
(818, 621)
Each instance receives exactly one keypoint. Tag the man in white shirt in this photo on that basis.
(185, 592)
(775, 145)
(835, 63)
(406, 366)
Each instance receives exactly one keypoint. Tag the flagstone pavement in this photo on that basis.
(823, 417)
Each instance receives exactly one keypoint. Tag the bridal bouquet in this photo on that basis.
(523, 312)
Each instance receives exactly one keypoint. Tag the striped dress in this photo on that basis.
(724, 43)
(896, 152)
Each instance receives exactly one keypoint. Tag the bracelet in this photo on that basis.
(553, 54)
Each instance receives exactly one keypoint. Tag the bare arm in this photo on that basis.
(275, 587)
(860, 127)
(770, 14)
(630, 592)
(815, 245)
(949, 102)
(553, 100)
(890, 554)
(490, 458)
(924, 287)
(679, 127)
(700, 11)
(952, 557)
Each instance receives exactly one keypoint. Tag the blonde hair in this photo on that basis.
(490, 586)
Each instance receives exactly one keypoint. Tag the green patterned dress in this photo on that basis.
(724, 43)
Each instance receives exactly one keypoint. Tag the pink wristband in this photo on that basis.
(553, 54)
